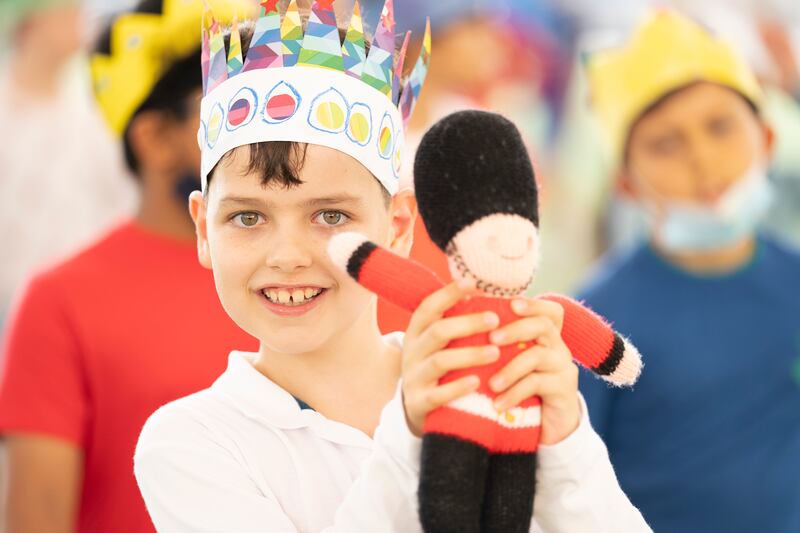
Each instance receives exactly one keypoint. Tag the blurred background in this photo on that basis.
(518, 57)
(64, 182)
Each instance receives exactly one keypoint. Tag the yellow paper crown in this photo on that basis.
(667, 52)
(144, 46)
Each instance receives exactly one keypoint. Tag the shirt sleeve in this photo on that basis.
(600, 397)
(42, 381)
(577, 490)
(191, 483)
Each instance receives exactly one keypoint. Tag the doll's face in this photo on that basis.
(497, 254)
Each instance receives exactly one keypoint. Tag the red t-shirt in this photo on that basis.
(98, 343)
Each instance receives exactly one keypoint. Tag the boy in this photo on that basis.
(93, 347)
(708, 439)
(312, 432)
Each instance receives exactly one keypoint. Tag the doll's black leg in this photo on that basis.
(451, 484)
(510, 487)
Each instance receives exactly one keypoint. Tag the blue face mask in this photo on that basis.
(693, 227)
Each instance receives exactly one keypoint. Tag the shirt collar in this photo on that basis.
(261, 399)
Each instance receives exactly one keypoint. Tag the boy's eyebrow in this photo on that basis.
(240, 201)
(311, 202)
(333, 200)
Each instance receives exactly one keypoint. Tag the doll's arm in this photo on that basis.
(399, 280)
(595, 345)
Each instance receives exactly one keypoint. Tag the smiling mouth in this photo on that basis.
(292, 297)
(512, 258)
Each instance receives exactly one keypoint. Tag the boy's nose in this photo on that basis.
(287, 254)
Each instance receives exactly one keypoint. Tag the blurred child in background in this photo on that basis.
(707, 441)
(101, 340)
(58, 162)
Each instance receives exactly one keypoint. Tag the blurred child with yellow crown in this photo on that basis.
(707, 441)
(302, 135)
(99, 341)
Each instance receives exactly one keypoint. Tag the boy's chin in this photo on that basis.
(290, 341)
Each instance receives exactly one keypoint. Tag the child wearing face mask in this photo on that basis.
(708, 439)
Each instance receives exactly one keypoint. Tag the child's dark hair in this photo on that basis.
(277, 161)
(171, 93)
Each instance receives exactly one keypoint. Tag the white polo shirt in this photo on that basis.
(242, 457)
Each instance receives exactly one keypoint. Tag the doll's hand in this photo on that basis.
(545, 370)
(425, 360)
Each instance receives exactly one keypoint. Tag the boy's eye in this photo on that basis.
(666, 145)
(247, 220)
(331, 218)
(721, 126)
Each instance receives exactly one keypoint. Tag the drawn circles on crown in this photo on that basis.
(281, 103)
(202, 132)
(397, 159)
(359, 124)
(329, 112)
(241, 109)
(215, 120)
(386, 137)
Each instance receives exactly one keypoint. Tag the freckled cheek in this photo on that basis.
(233, 262)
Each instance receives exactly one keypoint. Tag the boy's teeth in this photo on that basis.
(291, 297)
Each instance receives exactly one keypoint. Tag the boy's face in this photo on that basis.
(694, 145)
(267, 246)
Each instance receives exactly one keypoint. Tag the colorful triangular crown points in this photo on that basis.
(279, 41)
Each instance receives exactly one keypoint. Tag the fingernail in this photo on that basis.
(498, 384)
(492, 352)
(491, 319)
(464, 284)
(519, 305)
(497, 337)
(500, 404)
(473, 382)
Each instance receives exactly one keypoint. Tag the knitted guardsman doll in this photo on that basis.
(478, 200)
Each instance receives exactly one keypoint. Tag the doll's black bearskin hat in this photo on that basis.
(469, 165)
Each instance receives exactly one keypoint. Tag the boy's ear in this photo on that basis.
(149, 137)
(197, 208)
(403, 211)
(623, 184)
(769, 139)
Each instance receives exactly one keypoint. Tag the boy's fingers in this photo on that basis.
(442, 362)
(539, 307)
(438, 396)
(537, 328)
(536, 359)
(441, 332)
(433, 307)
(536, 384)
(531, 385)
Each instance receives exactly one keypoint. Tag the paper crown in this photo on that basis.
(142, 48)
(310, 87)
(667, 52)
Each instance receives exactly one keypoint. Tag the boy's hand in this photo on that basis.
(425, 360)
(545, 369)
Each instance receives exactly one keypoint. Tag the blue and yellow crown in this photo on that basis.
(310, 87)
